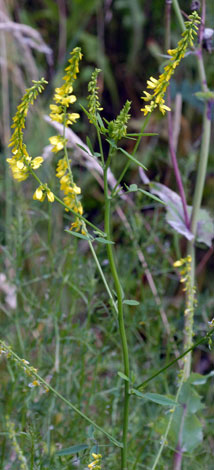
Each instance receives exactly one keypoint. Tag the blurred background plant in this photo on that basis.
(53, 308)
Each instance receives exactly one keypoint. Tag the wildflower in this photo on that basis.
(41, 192)
(93, 98)
(95, 465)
(179, 263)
(118, 127)
(63, 98)
(58, 143)
(189, 288)
(33, 384)
(21, 162)
(159, 86)
(12, 435)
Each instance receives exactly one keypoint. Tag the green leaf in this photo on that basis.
(82, 148)
(131, 302)
(198, 379)
(132, 188)
(151, 196)
(90, 146)
(72, 450)
(190, 398)
(188, 424)
(138, 134)
(79, 235)
(101, 123)
(155, 397)
(103, 240)
(175, 215)
(192, 434)
(132, 158)
(123, 376)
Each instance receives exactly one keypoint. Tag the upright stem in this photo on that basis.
(120, 316)
(198, 193)
(200, 180)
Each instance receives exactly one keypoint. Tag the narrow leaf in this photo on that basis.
(103, 240)
(82, 148)
(132, 158)
(131, 302)
(79, 235)
(72, 450)
(90, 146)
(123, 376)
(155, 397)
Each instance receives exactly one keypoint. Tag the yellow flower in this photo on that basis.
(21, 161)
(50, 196)
(178, 263)
(36, 162)
(95, 465)
(58, 143)
(63, 98)
(159, 86)
(39, 195)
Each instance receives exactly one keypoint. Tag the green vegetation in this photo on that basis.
(106, 302)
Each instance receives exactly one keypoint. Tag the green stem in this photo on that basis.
(65, 205)
(132, 154)
(160, 371)
(102, 276)
(197, 198)
(178, 14)
(32, 372)
(100, 146)
(120, 315)
(164, 438)
(198, 193)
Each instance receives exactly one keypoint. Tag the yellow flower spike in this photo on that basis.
(159, 86)
(21, 159)
(63, 98)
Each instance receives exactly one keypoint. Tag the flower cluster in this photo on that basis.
(118, 127)
(93, 98)
(158, 87)
(24, 365)
(96, 464)
(21, 162)
(63, 98)
(12, 435)
(43, 191)
(185, 265)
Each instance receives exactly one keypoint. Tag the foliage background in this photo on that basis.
(57, 314)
